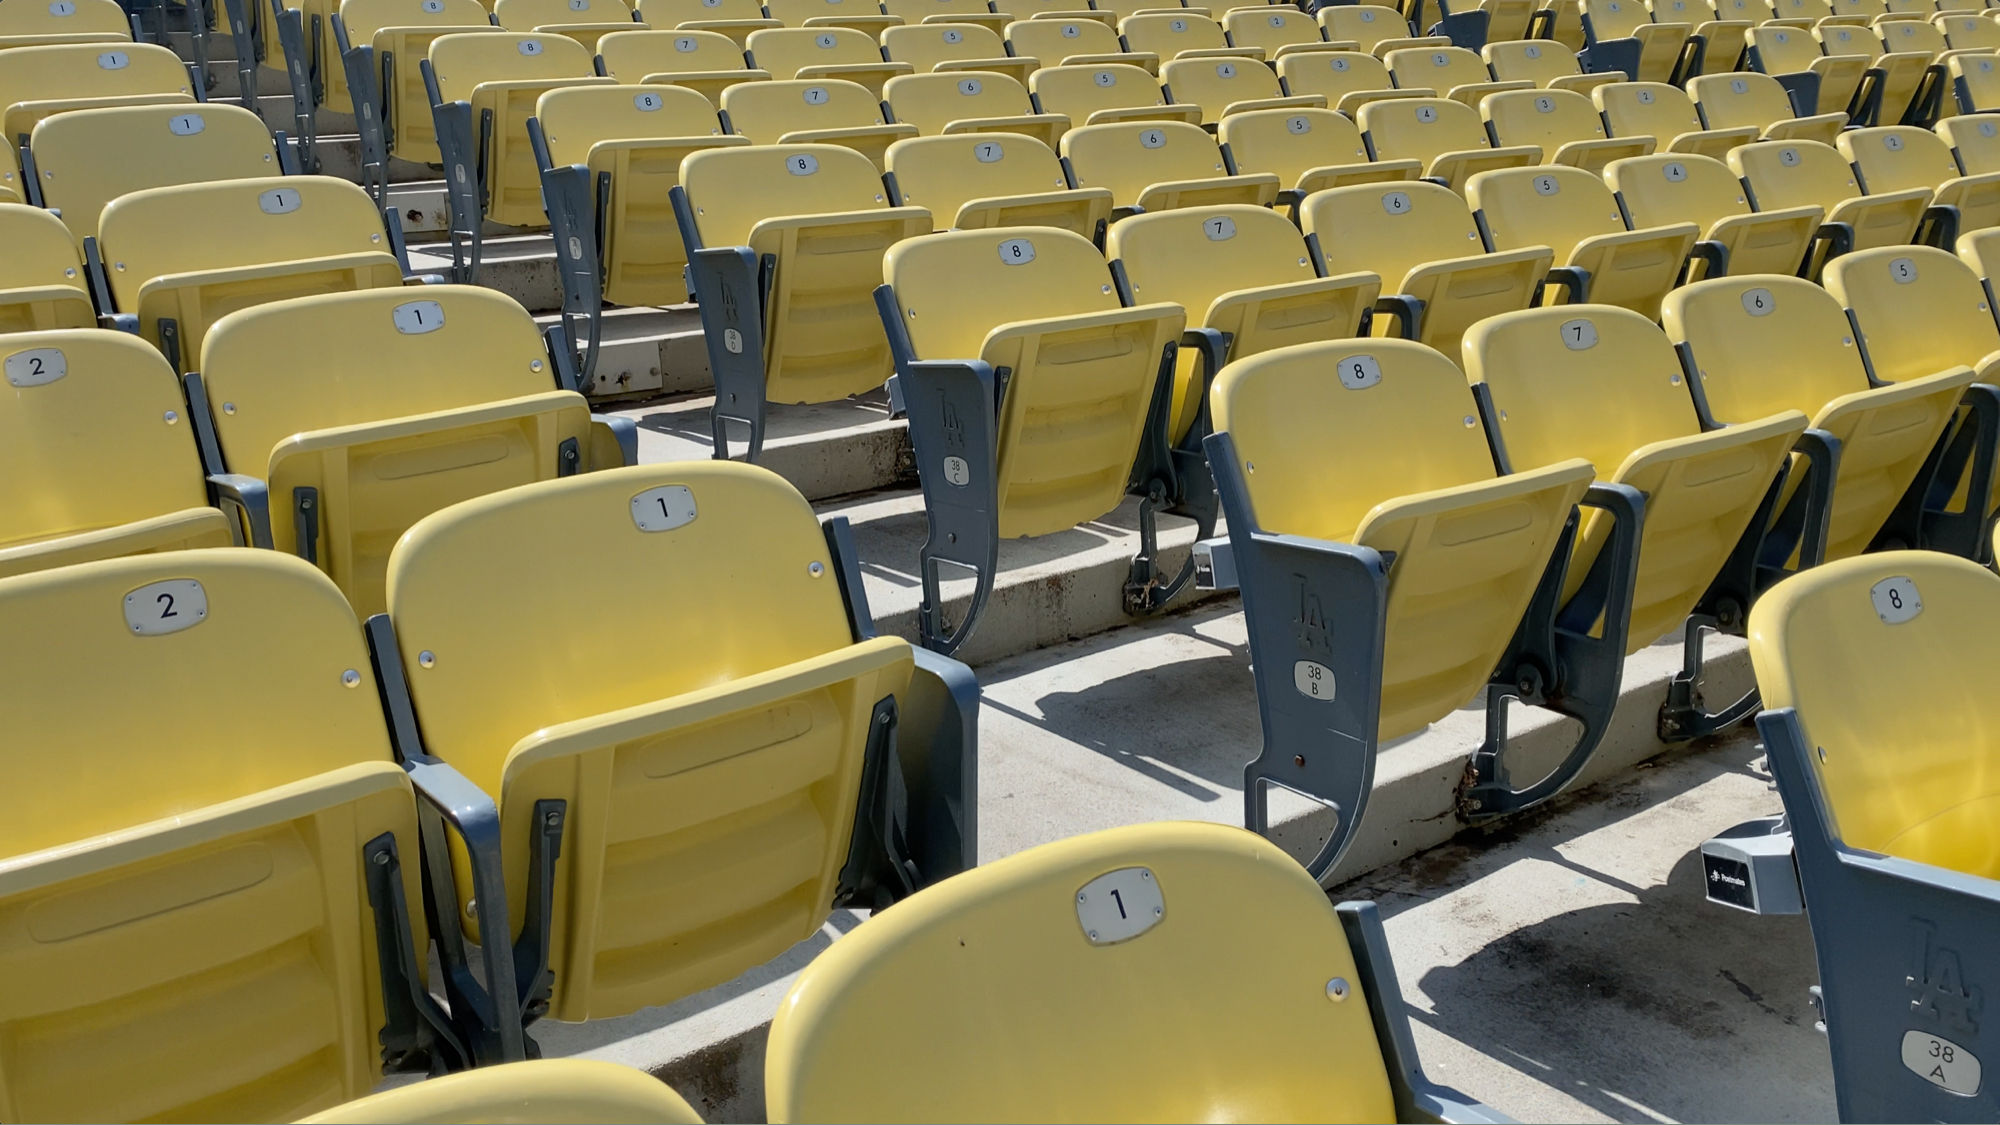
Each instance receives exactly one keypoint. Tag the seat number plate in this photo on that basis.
(166, 607)
(1103, 77)
(1120, 905)
(1152, 138)
(35, 367)
(1941, 1062)
(1298, 126)
(953, 35)
(186, 124)
(63, 8)
(530, 46)
(816, 95)
(1547, 185)
(686, 45)
(664, 508)
(970, 87)
(1225, 70)
(1579, 335)
(1896, 599)
(957, 472)
(1314, 680)
(1903, 271)
(1359, 372)
(802, 164)
(113, 60)
(279, 201)
(1017, 251)
(1396, 202)
(1219, 228)
(1759, 302)
(646, 102)
(988, 152)
(414, 318)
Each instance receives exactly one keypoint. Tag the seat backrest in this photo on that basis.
(673, 13)
(1615, 19)
(90, 157)
(1366, 24)
(1672, 187)
(795, 13)
(1540, 61)
(1549, 118)
(1389, 229)
(1900, 36)
(916, 11)
(1920, 310)
(1843, 39)
(1421, 128)
(955, 291)
(933, 101)
(1765, 344)
(63, 71)
(732, 190)
(1898, 157)
(365, 17)
(576, 117)
(576, 1091)
(1589, 381)
(1647, 109)
(1214, 84)
(1167, 34)
(1967, 31)
(1783, 50)
(463, 61)
(1291, 142)
(1053, 40)
(93, 435)
(1814, 10)
(1794, 174)
(377, 354)
(629, 56)
(40, 251)
(1189, 257)
(1129, 157)
(1975, 140)
(1270, 27)
(1079, 91)
(527, 15)
(766, 111)
(192, 228)
(942, 174)
(924, 46)
(65, 17)
(1333, 74)
(1731, 101)
(785, 50)
(1436, 68)
(1554, 206)
(1885, 657)
(1029, 1014)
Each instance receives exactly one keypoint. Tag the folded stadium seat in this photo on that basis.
(1363, 24)
(1447, 136)
(542, 1090)
(823, 52)
(1169, 35)
(1719, 26)
(1975, 141)
(812, 111)
(1968, 31)
(949, 11)
(1570, 211)
(864, 16)
(38, 81)
(1621, 36)
(1074, 41)
(101, 459)
(1796, 173)
(1975, 82)
(1802, 14)
(820, 217)
(42, 280)
(1661, 189)
(734, 18)
(1546, 64)
(1437, 278)
(354, 450)
(1757, 345)
(1731, 101)
(1081, 422)
(1709, 496)
(609, 156)
(1347, 79)
(1159, 166)
(1225, 86)
(1244, 272)
(1456, 72)
(585, 21)
(1307, 149)
(288, 236)
(1667, 114)
(66, 21)
(1562, 123)
(382, 45)
(707, 62)
(87, 158)
(1904, 157)
(947, 102)
(1109, 1043)
(666, 824)
(1275, 29)
(992, 180)
(192, 868)
(1907, 84)
(483, 90)
(1887, 794)
(953, 47)
(1816, 82)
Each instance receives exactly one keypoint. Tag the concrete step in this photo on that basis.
(644, 354)
(825, 449)
(523, 266)
(339, 153)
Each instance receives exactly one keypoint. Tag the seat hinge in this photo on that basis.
(305, 521)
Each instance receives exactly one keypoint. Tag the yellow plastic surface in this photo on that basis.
(1160, 165)
(1562, 123)
(813, 111)
(1366, 24)
(1979, 250)
(1446, 136)
(1439, 68)
(1056, 41)
(83, 17)
(504, 75)
(1729, 101)
(977, 12)
(1273, 28)
(1766, 344)
(823, 53)
(1659, 43)
(1167, 34)
(631, 56)
(1975, 140)
(1622, 402)
(1307, 149)
(385, 448)
(1896, 158)
(1969, 31)
(994, 180)
(1030, 1022)
(1791, 50)
(1980, 76)
(1571, 212)
(404, 29)
(1670, 188)
(710, 799)
(1935, 321)
(1415, 478)
(541, 1092)
(197, 252)
(976, 101)
(1223, 85)
(1117, 91)
(1807, 173)
(88, 70)
(956, 46)
(1667, 114)
(1544, 62)
(560, 15)
(41, 276)
(859, 15)
(173, 855)
(1333, 74)
(90, 157)
(1084, 369)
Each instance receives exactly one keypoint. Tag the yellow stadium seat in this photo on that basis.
(36, 82)
(1657, 51)
(1560, 20)
(1507, 20)
(1571, 212)
(954, 47)
(1904, 81)
(1975, 141)
(1307, 149)
(585, 21)
(581, 1091)
(1668, 115)
(383, 44)
(755, 777)
(77, 21)
(1544, 62)
(1975, 82)
(1160, 165)
(1562, 123)
(1968, 31)
(970, 102)
(1169, 35)
(1437, 277)
(734, 18)
(1347, 80)
(1894, 158)
(821, 212)
(823, 52)
(812, 111)
(993, 180)
(1074, 40)
(180, 258)
(1275, 29)
(1719, 25)
(977, 12)
(1446, 136)
(87, 158)
(1364, 24)
(1667, 188)
(707, 62)
(1818, 82)
(864, 16)
(1225, 86)
(1082, 1029)
(1455, 72)
(355, 449)
(42, 283)
(1797, 173)
(1102, 94)
(1731, 101)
